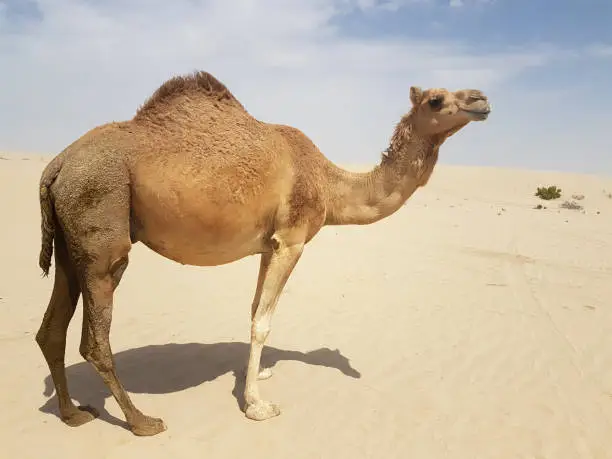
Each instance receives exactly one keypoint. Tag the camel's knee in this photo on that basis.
(52, 330)
(94, 352)
(260, 329)
(49, 339)
(100, 359)
(42, 339)
(94, 346)
(52, 346)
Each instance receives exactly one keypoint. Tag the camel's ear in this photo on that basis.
(416, 95)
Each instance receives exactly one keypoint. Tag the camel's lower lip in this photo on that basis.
(478, 114)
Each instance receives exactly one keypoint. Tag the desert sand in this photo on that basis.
(466, 325)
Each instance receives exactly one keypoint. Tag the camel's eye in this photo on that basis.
(436, 102)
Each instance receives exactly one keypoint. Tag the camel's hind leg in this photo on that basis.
(103, 258)
(51, 336)
(101, 279)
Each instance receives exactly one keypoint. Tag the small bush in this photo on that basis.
(547, 193)
(573, 205)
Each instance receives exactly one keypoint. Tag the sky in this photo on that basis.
(339, 70)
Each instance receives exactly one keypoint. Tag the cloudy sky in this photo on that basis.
(340, 70)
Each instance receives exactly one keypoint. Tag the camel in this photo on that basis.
(200, 181)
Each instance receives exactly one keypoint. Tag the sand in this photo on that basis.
(467, 325)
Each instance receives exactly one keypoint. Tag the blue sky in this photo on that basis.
(340, 70)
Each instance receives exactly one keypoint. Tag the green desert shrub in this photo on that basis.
(547, 193)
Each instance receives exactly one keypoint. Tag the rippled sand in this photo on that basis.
(467, 325)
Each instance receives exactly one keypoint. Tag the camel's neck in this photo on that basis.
(363, 198)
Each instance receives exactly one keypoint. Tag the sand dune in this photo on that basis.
(467, 325)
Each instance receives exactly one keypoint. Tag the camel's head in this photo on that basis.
(438, 111)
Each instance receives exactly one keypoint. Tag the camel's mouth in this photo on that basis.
(478, 109)
(478, 115)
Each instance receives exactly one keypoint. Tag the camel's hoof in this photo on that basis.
(264, 373)
(261, 411)
(75, 417)
(148, 426)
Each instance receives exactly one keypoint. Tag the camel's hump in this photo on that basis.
(199, 82)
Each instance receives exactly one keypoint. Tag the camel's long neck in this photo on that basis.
(363, 198)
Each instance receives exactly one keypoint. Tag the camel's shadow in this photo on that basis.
(162, 369)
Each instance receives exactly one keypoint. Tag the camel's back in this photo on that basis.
(193, 125)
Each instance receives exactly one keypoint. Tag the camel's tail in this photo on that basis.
(47, 212)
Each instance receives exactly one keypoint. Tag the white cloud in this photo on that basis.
(461, 3)
(91, 62)
(599, 50)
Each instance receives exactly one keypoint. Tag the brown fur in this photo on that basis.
(186, 85)
(200, 181)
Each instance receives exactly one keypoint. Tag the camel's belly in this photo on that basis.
(201, 251)
(201, 233)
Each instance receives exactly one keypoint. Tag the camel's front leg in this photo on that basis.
(274, 271)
